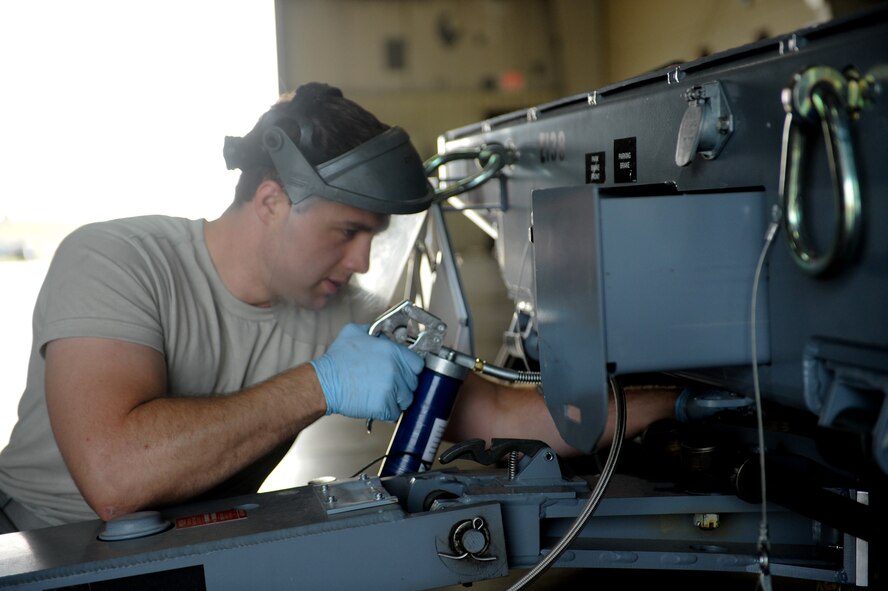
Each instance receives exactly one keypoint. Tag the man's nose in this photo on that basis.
(357, 258)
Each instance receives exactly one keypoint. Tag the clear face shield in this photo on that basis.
(384, 175)
(379, 178)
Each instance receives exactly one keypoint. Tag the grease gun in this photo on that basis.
(421, 426)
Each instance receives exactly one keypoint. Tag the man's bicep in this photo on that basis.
(93, 383)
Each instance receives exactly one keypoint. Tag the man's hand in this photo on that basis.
(367, 377)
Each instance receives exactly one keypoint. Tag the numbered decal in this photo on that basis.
(552, 146)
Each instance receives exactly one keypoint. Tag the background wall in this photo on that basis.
(434, 65)
(112, 109)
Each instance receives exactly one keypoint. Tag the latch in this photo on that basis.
(706, 125)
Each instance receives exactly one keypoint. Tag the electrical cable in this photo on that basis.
(426, 465)
(763, 541)
(364, 469)
(592, 504)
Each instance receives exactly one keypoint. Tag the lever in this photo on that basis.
(474, 449)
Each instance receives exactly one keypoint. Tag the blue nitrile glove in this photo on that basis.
(367, 377)
(696, 405)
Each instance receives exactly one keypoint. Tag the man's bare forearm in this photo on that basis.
(175, 448)
(130, 445)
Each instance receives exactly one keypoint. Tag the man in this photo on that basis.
(178, 359)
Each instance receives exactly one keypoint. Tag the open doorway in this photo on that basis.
(112, 109)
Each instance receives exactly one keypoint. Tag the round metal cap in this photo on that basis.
(134, 525)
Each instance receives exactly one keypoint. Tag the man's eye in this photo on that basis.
(349, 233)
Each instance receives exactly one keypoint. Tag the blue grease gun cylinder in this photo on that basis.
(421, 427)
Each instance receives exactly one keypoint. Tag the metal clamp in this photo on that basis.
(822, 95)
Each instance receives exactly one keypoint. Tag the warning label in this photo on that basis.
(595, 167)
(624, 160)
(210, 518)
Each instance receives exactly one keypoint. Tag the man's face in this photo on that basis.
(320, 248)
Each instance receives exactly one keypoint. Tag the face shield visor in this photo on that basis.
(383, 175)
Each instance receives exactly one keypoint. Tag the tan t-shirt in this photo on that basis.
(150, 280)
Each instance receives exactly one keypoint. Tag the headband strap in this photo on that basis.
(384, 174)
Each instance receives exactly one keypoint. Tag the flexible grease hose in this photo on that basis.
(592, 504)
(482, 367)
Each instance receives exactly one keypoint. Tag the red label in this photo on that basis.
(210, 518)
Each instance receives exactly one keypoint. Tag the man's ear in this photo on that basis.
(270, 201)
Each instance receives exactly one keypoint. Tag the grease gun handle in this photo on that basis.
(410, 325)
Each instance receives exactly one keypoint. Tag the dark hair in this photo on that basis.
(321, 122)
